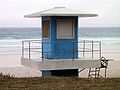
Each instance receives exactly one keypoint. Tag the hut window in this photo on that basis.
(65, 29)
(45, 29)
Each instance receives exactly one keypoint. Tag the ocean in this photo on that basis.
(11, 38)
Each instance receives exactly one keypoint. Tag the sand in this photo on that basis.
(10, 64)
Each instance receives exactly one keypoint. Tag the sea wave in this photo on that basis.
(99, 39)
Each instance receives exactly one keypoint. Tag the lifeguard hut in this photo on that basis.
(59, 44)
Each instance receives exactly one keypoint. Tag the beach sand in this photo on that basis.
(11, 64)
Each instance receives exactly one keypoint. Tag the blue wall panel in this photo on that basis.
(60, 48)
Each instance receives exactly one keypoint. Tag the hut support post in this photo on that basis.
(73, 51)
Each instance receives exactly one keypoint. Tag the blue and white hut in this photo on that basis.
(60, 45)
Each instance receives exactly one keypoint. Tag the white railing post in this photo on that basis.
(100, 48)
(92, 48)
(22, 49)
(83, 48)
(29, 51)
(42, 52)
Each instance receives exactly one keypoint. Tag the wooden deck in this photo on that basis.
(61, 64)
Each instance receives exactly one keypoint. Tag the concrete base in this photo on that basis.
(60, 64)
(63, 73)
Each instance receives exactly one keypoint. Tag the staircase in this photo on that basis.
(94, 73)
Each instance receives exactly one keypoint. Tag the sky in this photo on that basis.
(12, 12)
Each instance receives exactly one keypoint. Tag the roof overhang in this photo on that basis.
(60, 11)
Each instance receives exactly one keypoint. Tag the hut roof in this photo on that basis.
(60, 11)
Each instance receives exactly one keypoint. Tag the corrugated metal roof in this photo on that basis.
(60, 11)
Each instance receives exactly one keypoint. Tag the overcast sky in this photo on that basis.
(12, 12)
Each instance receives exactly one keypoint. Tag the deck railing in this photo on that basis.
(33, 49)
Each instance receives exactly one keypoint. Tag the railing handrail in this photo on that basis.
(84, 48)
(80, 41)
